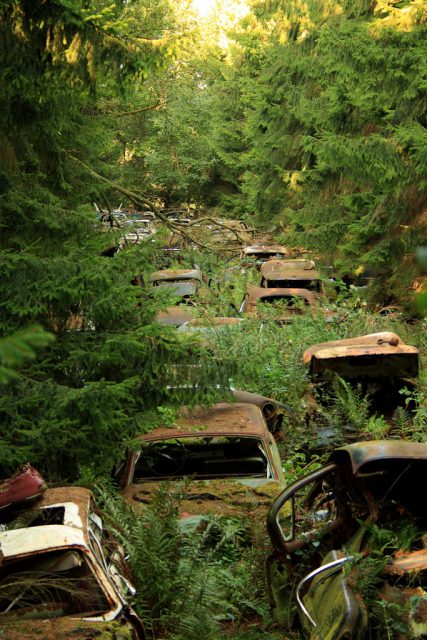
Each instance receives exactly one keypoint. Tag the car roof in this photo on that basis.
(361, 453)
(176, 274)
(287, 269)
(73, 532)
(223, 418)
(382, 343)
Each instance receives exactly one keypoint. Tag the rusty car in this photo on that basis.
(26, 484)
(297, 274)
(350, 545)
(61, 572)
(289, 303)
(257, 254)
(182, 283)
(225, 455)
(381, 364)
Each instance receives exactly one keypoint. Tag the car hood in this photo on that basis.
(222, 496)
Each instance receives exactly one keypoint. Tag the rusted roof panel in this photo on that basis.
(220, 419)
(176, 274)
(287, 269)
(382, 342)
(361, 453)
(78, 496)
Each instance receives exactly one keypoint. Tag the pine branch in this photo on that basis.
(141, 201)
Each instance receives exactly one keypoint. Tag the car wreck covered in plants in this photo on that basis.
(226, 454)
(380, 363)
(257, 254)
(350, 545)
(182, 283)
(296, 274)
(62, 570)
(285, 303)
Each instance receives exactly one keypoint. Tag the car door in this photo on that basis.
(308, 525)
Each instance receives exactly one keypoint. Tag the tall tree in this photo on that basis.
(99, 383)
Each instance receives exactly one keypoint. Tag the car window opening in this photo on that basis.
(53, 584)
(215, 457)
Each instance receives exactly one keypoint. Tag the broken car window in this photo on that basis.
(211, 457)
(52, 584)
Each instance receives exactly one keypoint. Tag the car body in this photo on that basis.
(381, 363)
(294, 301)
(257, 254)
(61, 571)
(340, 548)
(226, 454)
(26, 484)
(297, 274)
(183, 283)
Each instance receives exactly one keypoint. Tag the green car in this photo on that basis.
(350, 545)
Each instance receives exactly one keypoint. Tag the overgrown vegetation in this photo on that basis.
(311, 124)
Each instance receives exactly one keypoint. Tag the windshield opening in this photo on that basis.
(50, 585)
(202, 457)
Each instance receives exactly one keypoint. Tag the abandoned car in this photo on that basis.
(226, 454)
(62, 571)
(380, 363)
(279, 304)
(257, 254)
(182, 283)
(350, 545)
(297, 274)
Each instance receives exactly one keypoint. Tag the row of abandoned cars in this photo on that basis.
(353, 527)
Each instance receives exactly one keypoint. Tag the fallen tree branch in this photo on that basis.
(140, 201)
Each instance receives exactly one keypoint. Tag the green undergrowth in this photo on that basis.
(190, 584)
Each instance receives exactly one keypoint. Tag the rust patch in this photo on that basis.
(382, 342)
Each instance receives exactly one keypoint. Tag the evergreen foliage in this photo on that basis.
(99, 383)
(332, 115)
